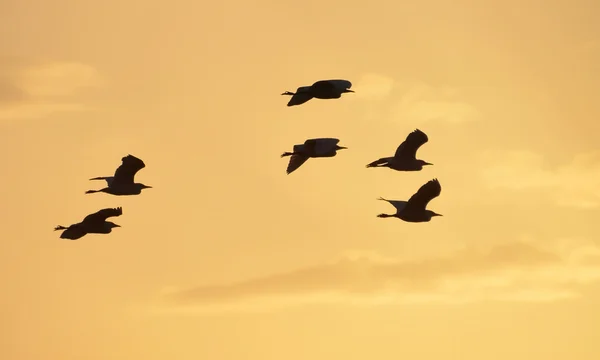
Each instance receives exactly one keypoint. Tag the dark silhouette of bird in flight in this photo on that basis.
(414, 210)
(122, 183)
(312, 148)
(322, 89)
(92, 224)
(405, 158)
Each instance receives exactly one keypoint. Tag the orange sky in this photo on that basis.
(298, 266)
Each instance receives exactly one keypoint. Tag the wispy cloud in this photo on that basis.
(512, 272)
(418, 102)
(423, 103)
(36, 91)
(374, 86)
(574, 184)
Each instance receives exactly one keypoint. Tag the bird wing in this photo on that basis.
(341, 84)
(102, 215)
(73, 232)
(125, 173)
(408, 148)
(323, 86)
(325, 145)
(310, 146)
(296, 161)
(398, 204)
(426, 193)
(301, 96)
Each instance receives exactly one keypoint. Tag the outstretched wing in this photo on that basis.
(323, 86)
(408, 148)
(296, 161)
(427, 192)
(102, 215)
(325, 145)
(341, 84)
(398, 204)
(301, 96)
(125, 173)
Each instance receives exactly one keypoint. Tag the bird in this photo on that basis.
(122, 182)
(322, 89)
(405, 157)
(414, 210)
(312, 148)
(92, 224)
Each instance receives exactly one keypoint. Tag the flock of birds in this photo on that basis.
(414, 210)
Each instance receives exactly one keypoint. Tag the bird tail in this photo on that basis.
(287, 154)
(60, 227)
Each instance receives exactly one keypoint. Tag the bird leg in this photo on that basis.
(60, 227)
(93, 191)
(378, 163)
(288, 93)
(287, 154)
(385, 215)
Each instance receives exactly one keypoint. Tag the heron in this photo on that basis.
(405, 158)
(322, 89)
(414, 210)
(312, 148)
(92, 224)
(122, 183)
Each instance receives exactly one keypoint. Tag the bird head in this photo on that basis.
(113, 225)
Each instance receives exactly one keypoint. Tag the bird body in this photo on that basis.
(122, 183)
(405, 157)
(415, 209)
(92, 224)
(312, 148)
(322, 89)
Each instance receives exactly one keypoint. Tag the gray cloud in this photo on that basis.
(515, 272)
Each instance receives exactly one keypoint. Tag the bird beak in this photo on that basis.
(117, 225)
(438, 215)
(342, 147)
(348, 90)
(427, 163)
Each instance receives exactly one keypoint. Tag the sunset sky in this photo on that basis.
(229, 258)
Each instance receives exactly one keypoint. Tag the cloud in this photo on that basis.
(511, 272)
(374, 86)
(424, 103)
(573, 185)
(36, 91)
(418, 102)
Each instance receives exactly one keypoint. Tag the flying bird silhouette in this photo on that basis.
(312, 148)
(414, 210)
(322, 89)
(92, 224)
(122, 183)
(405, 158)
